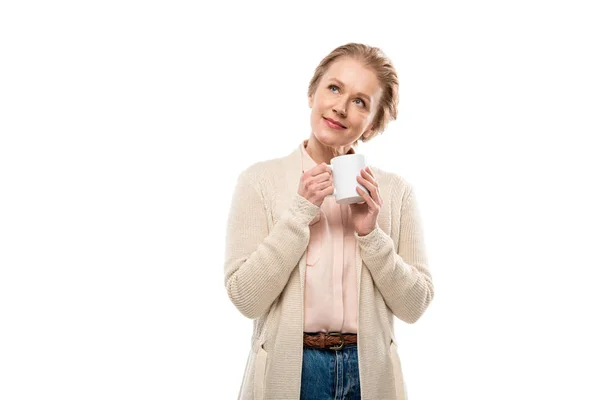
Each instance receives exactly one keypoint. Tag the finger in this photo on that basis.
(365, 196)
(323, 185)
(324, 177)
(320, 169)
(366, 183)
(369, 176)
(373, 190)
(327, 190)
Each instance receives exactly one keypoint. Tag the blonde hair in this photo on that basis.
(386, 74)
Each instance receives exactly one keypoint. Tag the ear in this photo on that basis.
(368, 133)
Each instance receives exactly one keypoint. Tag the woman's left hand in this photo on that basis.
(364, 214)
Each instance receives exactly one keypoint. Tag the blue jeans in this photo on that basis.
(330, 374)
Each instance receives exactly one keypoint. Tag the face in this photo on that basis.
(344, 103)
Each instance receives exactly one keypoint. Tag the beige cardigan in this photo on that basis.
(265, 263)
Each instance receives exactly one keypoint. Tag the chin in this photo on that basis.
(319, 134)
(326, 138)
(331, 138)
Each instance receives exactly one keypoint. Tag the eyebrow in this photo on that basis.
(342, 85)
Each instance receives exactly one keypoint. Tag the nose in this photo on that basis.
(340, 109)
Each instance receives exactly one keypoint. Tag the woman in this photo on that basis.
(322, 280)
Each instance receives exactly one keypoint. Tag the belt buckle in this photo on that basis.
(341, 345)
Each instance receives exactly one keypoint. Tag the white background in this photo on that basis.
(124, 126)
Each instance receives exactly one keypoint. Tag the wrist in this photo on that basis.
(366, 232)
(303, 209)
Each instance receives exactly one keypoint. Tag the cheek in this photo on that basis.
(318, 103)
(314, 113)
(325, 100)
(315, 117)
(319, 108)
(361, 119)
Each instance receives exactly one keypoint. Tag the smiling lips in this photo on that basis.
(333, 124)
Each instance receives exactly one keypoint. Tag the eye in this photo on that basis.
(361, 102)
(333, 87)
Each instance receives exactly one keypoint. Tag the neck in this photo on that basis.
(321, 153)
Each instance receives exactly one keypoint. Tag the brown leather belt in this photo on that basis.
(330, 340)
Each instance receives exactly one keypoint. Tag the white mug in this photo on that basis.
(345, 169)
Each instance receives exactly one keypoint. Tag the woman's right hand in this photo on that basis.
(316, 183)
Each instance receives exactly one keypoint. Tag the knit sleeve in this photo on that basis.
(258, 263)
(401, 275)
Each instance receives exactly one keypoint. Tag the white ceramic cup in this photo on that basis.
(345, 169)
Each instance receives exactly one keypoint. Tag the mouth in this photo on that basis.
(333, 123)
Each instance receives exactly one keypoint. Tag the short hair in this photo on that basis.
(373, 58)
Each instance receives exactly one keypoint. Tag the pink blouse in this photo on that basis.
(330, 297)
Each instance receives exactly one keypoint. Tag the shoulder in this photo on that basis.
(261, 169)
(264, 174)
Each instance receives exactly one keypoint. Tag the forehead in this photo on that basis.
(354, 74)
